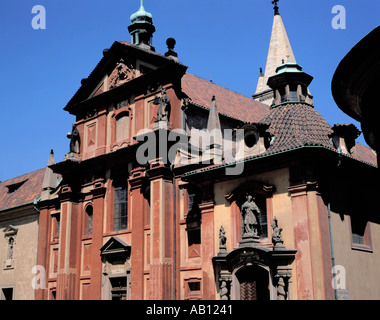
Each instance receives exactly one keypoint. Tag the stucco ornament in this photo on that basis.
(121, 74)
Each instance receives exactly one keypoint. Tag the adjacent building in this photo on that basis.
(354, 84)
(19, 234)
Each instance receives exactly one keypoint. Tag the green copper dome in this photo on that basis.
(141, 15)
(288, 67)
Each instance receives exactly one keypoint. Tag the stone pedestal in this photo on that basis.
(249, 240)
(72, 156)
(161, 125)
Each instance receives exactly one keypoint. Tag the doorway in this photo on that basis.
(253, 283)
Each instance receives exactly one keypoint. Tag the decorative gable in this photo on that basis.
(115, 255)
(123, 72)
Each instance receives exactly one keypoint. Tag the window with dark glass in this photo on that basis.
(56, 226)
(89, 215)
(193, 225)
(360, 233)
(293, 95)
(6, 294)
(119, 288)
(283, 94)
(120, 208)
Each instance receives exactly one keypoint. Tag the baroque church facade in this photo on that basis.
(177, 188)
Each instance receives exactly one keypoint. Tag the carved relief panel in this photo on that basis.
(124, 71)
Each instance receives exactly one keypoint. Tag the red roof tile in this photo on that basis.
(230, 103)
(296, 125)
(366, 154)
(30, 188)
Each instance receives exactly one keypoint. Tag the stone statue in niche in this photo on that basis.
(222, 240)
(10, 249)
(250, 212)
(121, 74)
(163, 113)
(277, 239)
(74, 140)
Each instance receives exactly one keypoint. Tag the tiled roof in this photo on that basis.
(366, 154)
(296, 125)
(230, 103)
(29, 188)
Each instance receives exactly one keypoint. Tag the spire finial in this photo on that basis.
(276, 12)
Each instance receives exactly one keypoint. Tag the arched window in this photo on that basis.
(262, 197)
(193, 225)
(122, 126)
(55, 225)
(11, 242)
(88, 220)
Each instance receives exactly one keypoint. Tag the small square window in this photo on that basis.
(6, 294)
(193, 289)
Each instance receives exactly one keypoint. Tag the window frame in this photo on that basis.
(86, 220)
(123, 186)
(367, 238)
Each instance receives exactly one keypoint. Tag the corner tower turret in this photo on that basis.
(290, 84)
(279, 49)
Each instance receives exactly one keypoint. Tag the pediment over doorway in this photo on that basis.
(114, 246)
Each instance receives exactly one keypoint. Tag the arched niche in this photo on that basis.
(263, 198)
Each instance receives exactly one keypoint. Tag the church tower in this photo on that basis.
(279, 51)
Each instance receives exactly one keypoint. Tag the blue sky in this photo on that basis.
(226, 41)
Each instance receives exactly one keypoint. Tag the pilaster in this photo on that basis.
(68, 261)
(41, 293)
(162, 242)
(207, 240)
(137, 238)
(97, 239)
